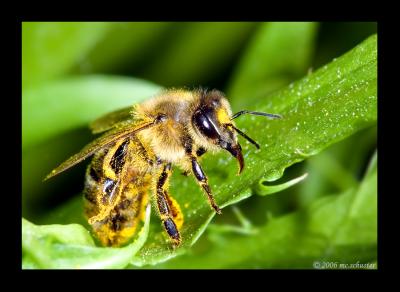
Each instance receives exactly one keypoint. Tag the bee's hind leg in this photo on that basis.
(168, 208)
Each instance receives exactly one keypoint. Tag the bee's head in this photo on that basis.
(213, 125)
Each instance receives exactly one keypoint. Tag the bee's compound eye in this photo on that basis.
(204, 125)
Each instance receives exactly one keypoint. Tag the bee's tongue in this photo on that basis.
(236, 151)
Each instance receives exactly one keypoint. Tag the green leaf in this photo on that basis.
(71, 247)
(263, 189)
(321, 109)
(280, 52)
(346, 162)
(50, 49)
(338, 229)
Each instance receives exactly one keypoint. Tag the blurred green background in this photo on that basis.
(97, 60)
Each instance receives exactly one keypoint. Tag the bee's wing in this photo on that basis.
(113, 119)
(98, 144)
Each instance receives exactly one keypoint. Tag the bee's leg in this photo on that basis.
(203, 181)
(198, 171)
(200, 151)
(166, 206)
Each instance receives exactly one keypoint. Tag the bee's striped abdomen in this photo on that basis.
(115, 192)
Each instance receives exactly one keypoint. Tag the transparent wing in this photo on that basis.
(101, 142)
(113, 119)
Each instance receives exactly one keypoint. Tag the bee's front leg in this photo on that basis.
(203, 181)
(199, 174)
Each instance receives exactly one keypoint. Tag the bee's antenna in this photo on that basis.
(238, 114)
(244, 136)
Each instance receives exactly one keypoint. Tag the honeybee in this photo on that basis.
(136, 153)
